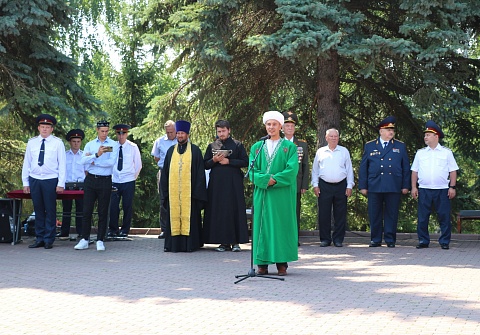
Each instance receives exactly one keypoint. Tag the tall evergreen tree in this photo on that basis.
(361, 59)
(35, 76)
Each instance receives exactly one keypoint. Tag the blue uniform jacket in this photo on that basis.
(384, 170)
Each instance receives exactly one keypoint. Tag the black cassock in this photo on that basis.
(199, 197)
(225, 220)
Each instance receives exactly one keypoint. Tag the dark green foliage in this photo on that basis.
(35, 76)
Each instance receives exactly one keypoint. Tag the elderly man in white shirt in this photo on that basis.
(332, 181)
(125, 172)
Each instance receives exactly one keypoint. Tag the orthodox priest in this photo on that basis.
(185, 194)
(274, 175)
(225, 219)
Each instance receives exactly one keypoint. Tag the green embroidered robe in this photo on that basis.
(275, 235)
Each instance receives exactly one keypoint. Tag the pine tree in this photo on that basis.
(35, 75)
(353, 61)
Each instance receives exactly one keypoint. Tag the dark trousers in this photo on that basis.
(299, 204)
(332, 195)
(163, 210)
(383, 208)
(125, 193)
(96, 189)
(428, 198)
(44, 198)
(67, 216)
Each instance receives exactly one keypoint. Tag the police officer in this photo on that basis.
(125, 172)
(75, 174)
(43, 176)
(384, 177)
(291, 120)
(435, 169)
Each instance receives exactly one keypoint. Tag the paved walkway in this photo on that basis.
(136, 288)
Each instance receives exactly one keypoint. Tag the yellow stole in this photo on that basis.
(180, 191)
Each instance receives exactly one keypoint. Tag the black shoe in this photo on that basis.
(390, 244)
(162, 235)
(445, 246)
(375, 244)
(122, 234)
(421, 246)
(338, 244)
(37, 244)
(48, 246)
(325, 244)
(111, 234)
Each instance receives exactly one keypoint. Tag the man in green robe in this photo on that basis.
(274, 176)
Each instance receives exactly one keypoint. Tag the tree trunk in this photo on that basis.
(328, 95)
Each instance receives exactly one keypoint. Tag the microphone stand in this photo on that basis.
(251, 273)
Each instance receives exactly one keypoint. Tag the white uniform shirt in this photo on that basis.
(132, 163)
(75, 170)
(53, 162)
(434, 167)
(332, 166)
(160, 148)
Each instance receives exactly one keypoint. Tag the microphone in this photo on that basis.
(266, 137)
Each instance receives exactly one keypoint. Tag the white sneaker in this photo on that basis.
(100, 246)
(83, 244)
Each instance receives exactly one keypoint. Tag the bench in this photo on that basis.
(466, 215)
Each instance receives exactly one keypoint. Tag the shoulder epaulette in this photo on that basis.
(302, 141)
(32, 138)
(398, 141)
(372, 141)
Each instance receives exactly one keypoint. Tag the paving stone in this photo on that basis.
(135, 288)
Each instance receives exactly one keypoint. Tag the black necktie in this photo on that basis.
(385, 144)
(120, 159)
(42, 153)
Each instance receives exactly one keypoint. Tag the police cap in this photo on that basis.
(121, 128)
(75, 133)
(46, 119)
(387, 123)
(432, 127)
(290, 117)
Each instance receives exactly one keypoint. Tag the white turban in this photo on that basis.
(273, 115)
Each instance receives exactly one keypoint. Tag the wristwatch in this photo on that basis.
(452, 186)
(96, 155)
